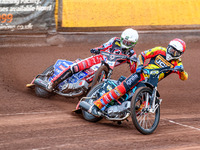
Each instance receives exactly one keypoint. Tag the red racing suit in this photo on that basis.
(112, 46)
(157, 59)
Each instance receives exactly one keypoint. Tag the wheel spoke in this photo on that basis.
(141, 120)
(149, 121)
(140, 117)
(144, 118)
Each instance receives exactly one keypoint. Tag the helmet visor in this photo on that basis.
(173, 52)
(127, 42)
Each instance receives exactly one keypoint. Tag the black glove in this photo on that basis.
(139, 69)
(133, 59)
(95, 51)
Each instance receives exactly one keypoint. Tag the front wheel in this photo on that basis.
(145, 122)
(102, 73)
(87, 116)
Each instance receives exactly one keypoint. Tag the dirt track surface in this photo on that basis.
(30, 122)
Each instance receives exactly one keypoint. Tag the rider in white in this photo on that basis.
(118, 45)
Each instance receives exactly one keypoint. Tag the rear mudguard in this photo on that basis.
(58, 67)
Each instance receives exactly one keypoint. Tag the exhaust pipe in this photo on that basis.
(41, 83)
(84, 106)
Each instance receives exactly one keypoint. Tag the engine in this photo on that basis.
(74, 89)
(119, 111)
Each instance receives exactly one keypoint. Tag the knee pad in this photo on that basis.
(75, 68)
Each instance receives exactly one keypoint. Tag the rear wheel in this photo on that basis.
(145, 122)
(102, 73)
(87, 116)
(41, 92)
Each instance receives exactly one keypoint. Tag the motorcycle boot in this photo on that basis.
(92, 109)
(52, 85)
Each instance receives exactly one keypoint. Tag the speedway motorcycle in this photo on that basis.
(142, 102)
(79, 83)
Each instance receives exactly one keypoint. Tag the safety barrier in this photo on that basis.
(144, 14)
(35, 16)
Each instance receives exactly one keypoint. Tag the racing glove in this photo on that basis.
(139, 69)
(179, 68)
(95, 51)
(133, 58)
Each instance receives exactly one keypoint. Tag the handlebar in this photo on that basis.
(114, 56)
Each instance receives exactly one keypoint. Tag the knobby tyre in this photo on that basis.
(102, 73)
(87, 116)
(41, 92)
(144, 121)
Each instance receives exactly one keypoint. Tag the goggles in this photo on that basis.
(173, 52)
(127, 43)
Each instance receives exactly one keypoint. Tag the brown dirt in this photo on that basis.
(30, 122)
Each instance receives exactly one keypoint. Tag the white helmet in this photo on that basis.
(175, 49)
(129, 38)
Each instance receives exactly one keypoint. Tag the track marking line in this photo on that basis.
(31, 113)
(56, 146)
(42, 148)
(119, 32)
(183, 125)
(23, 45)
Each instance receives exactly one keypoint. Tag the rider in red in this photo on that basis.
(123, 45)
(160, 57)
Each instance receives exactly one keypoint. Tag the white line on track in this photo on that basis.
(56, 146)
(141, 32)
(31, 113)
(24, 45)
(183, 125)
(42, 148)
